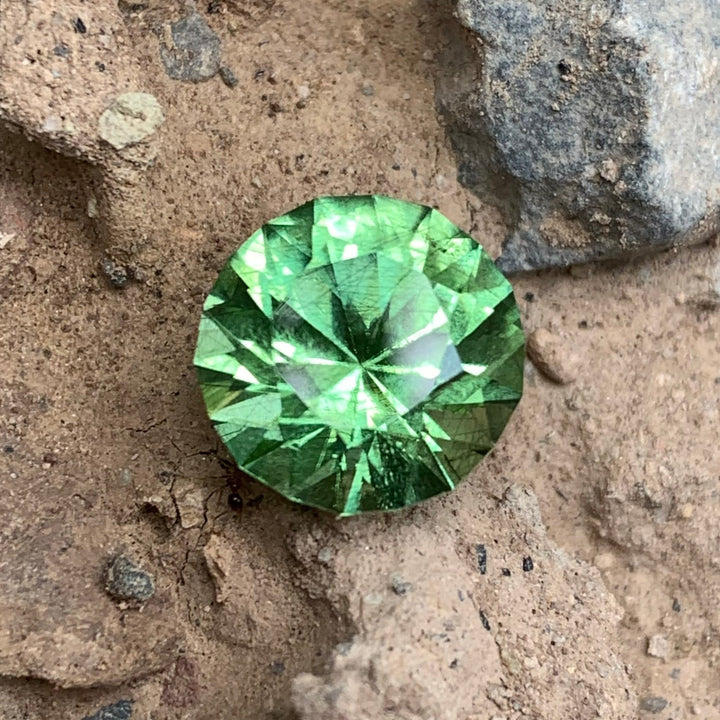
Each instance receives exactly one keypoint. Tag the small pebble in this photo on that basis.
(121, 710)
(686, 511)
(61, 50)
(124, 580)
(676, 605)
(79, 26)
(506, 572)
(483, 619)
(657, 646)
(653, 704)
(132, 118)
(481, 558)
(116, 274)
(368, 90)
(552, 356)
(528, 564)
(194, 54)
(277, 667)
(609, 170)
(52, 124)
(228, 76)
(399, 586)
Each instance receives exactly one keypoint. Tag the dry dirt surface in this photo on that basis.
(574, 575)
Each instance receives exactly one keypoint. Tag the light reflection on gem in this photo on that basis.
(360, 354)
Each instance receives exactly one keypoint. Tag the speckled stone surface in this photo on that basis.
(594, 126)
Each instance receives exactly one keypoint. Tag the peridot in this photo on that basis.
(360, 353)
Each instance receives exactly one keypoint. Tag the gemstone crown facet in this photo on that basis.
(360, 353)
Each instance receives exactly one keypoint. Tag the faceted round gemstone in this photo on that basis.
(360, 353)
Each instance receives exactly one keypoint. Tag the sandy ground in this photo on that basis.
(105, 446)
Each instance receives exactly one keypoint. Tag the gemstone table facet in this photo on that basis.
(360, 353)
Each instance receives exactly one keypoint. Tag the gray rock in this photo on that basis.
(594, 126)
(228, 76)
(653, 704)
(399, 586)
(658, 646)
(194, 55)
(116, 274)
(121, 710)
(132, 118)
(124, 580)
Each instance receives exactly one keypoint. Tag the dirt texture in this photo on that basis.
(65, 69)
(469, 606)
(476, 623)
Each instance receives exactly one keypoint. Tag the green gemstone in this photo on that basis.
(360, 353)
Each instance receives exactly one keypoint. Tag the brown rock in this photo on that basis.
(62, 627)
(443, 650)
(84, 100)
(183, 688)
(551, 355)
(219, 559)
